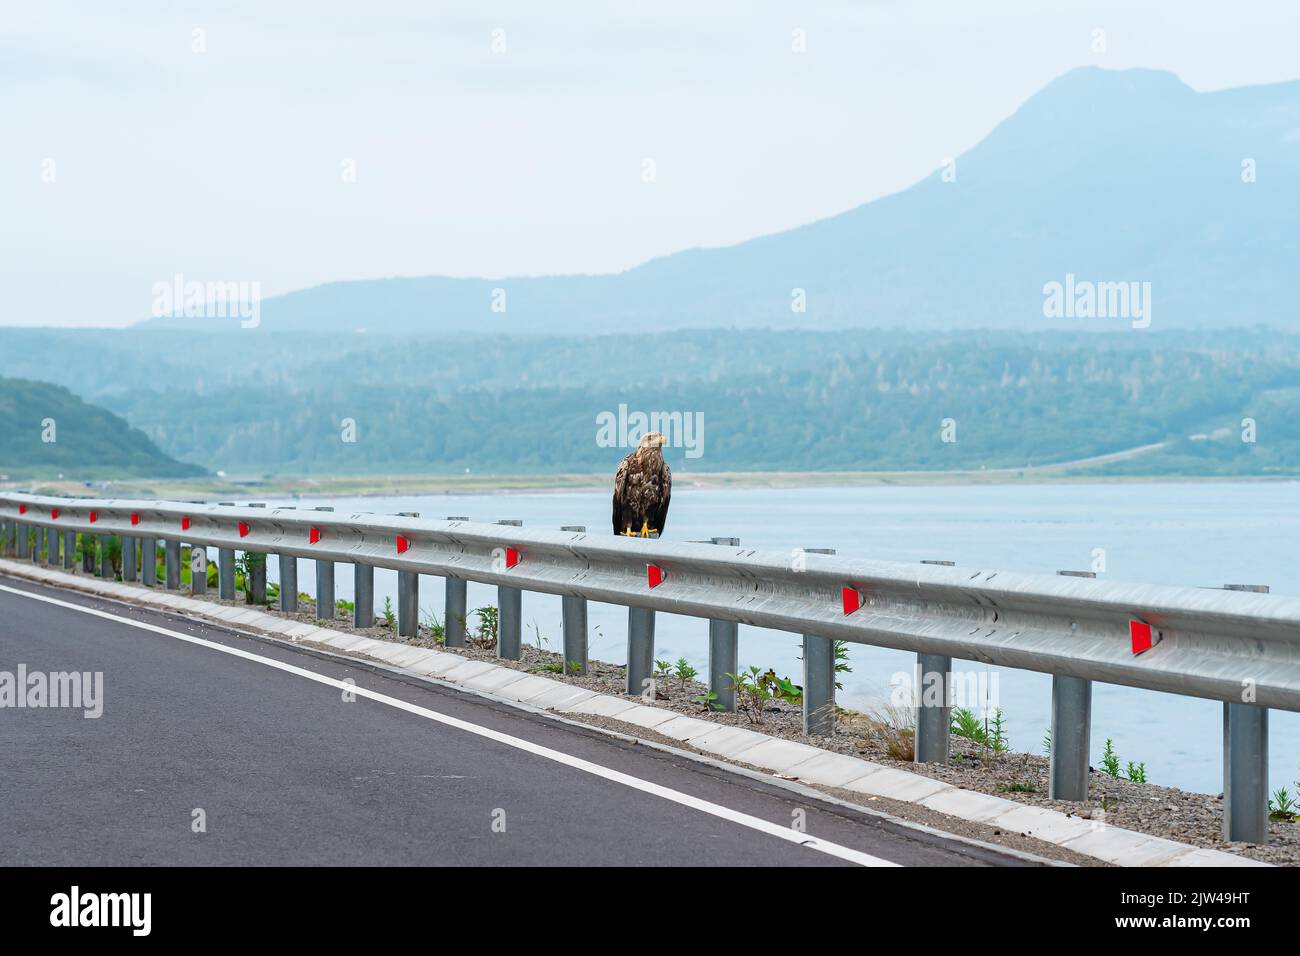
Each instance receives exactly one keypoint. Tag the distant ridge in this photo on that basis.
(1107, 176)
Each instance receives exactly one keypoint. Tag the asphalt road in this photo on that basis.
(285, 771)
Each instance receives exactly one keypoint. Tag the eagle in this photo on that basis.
(642, 486)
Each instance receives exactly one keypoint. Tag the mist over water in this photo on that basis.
(1184, 533)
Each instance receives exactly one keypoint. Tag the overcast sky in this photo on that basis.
(127, 156)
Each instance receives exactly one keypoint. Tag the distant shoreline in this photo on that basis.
(364, 486)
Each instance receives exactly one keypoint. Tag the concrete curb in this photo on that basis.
(786, 758)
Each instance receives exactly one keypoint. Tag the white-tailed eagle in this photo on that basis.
(642, 486)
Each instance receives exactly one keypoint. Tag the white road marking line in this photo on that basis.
(788, 834)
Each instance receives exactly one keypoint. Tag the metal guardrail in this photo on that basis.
(1235, 646)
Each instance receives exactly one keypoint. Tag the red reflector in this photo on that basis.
(54, 514)
(852, 600)
(654, 575)
(512, 557)
(185, 523)
(22, 509)
(402, 544)
(243, 529)
(313, 535)
(94, 516)
(135, 519)
(1142, 636)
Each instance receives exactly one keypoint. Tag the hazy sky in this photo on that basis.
(230, 164)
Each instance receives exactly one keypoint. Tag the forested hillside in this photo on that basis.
(45, 430)
(768, 401)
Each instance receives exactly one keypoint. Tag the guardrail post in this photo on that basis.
(21, 541)
(1245, 763)
(818, 678)
(363, 594)
(818, 685)
(106, 557)
(226, 574)
(149, 562)
(455, 612)
(640, 649)
(724, 651)
(257, 568)
(325, 607)
(288, 582)
(35, 533)
(408, 603)
(172, 565)
(256, 583)
(128, 558)
(1071, 730)
(573, 623)
(510, 604)
(408, 595)
(454, 607)
(69, 550)
(1245, 773)
(1071, 738)
(933, 716)
(51, 547)
(198, 569)
(226, 566)
(933, 708)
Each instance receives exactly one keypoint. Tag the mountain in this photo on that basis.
(46, 430)
(1108, 176)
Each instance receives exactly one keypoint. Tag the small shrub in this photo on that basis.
(1281, 807)
(996, 735)
(966, 724)
(1019, 787)
(434, 625)
(895, 728)
(489, 623)
(1110, 759)
(752, 694)
(841, 652)
(708, 701)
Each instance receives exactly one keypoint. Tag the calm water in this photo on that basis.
(1174, 533)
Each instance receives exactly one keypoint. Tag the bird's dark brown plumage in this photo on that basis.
(643, 486)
